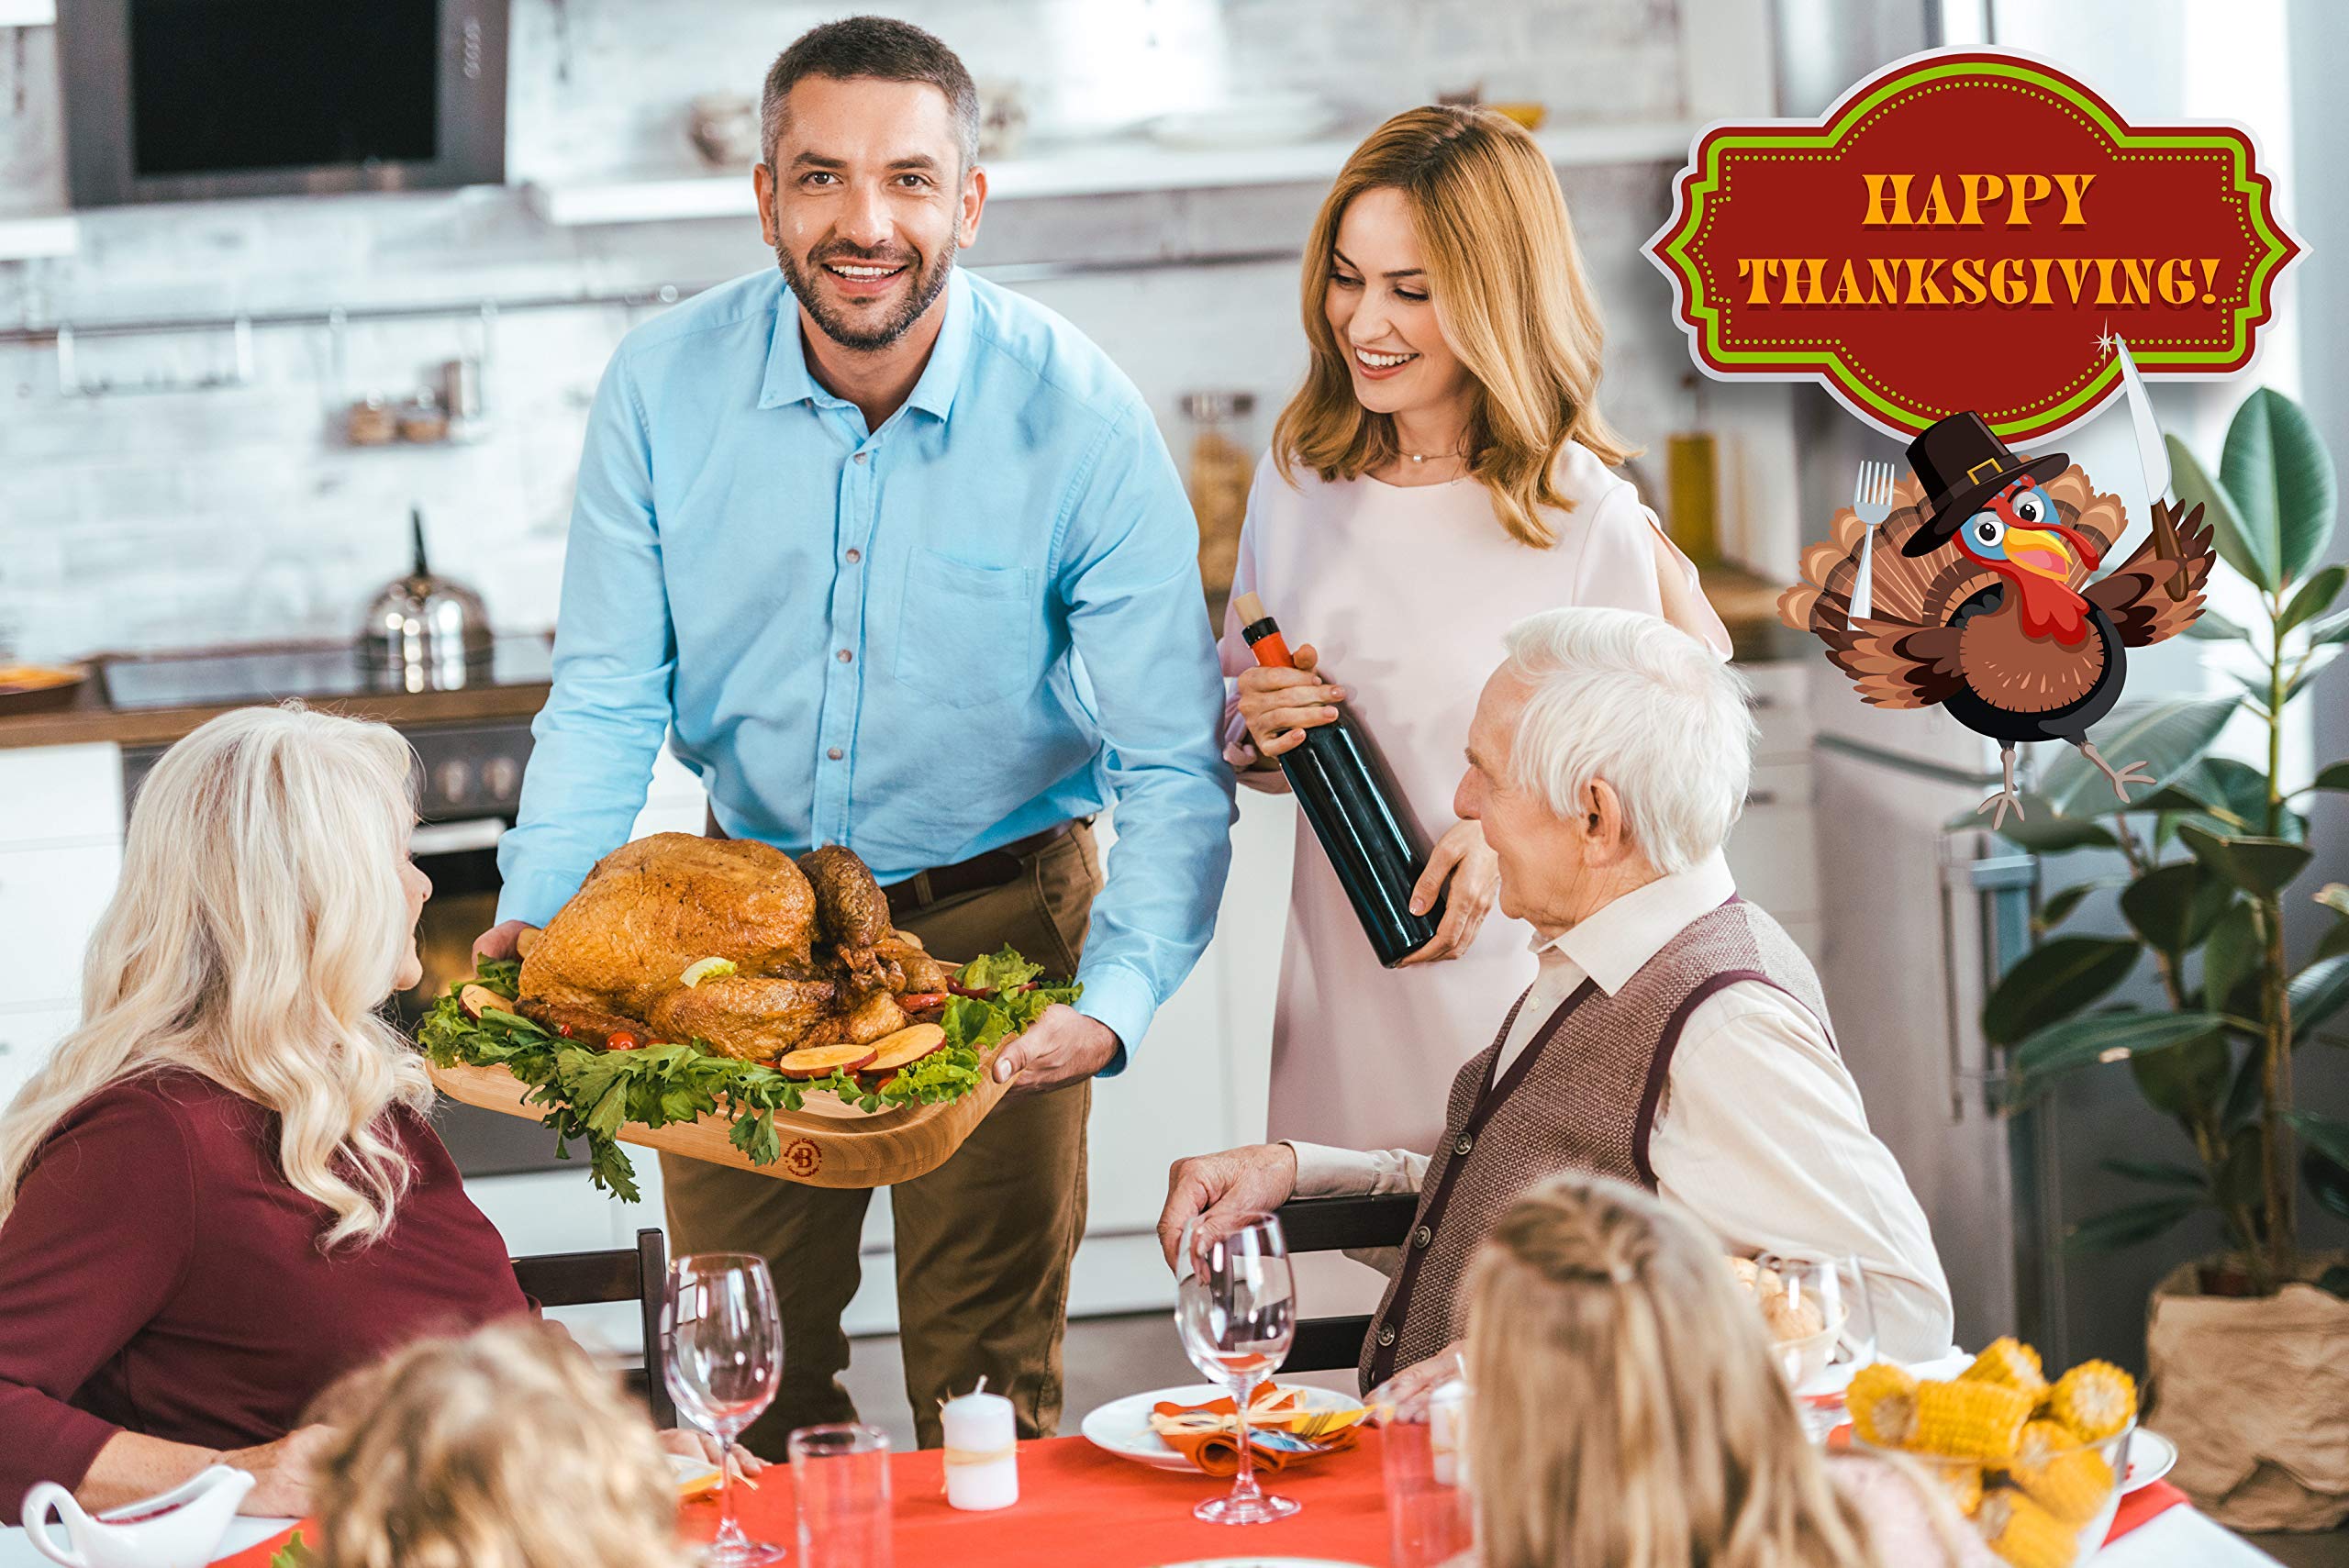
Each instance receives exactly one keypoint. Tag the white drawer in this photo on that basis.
(1781, 710)
(50, 902)
(1772, 853)
(52, 794)
(26, 1036)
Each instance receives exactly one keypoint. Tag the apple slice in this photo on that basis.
(822, 1061)
(908, 1045)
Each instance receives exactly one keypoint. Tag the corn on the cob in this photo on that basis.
(1882, 1400)
(1970, 1420)
(2067, 1480)
(1962, 1484)
(2096, 1399)
(2010, 1363)
(2023, 1533)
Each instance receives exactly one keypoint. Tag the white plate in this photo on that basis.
(2150, 1458)
(1122, 1427)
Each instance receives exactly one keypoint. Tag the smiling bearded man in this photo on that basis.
(846, 531)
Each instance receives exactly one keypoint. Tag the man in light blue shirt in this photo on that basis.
(899, 561)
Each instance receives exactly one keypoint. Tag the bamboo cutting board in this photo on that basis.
(828, 1143)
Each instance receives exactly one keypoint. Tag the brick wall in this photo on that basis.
(168, 518)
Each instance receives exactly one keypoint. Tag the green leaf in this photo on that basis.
(2331, 629)
(2315, 596)
(2318, 661)
(2327, 1135)
(2159, 1172)
(2317, 993)
(2173, 907)
(2231, 954)
(2254, 555)
(2103, 1036)
(2212, 626)
(2258, 866)
(2279, 476)
(2167, 737)
(2057, 906)
(2328, 1182)
(2333, 777)
(2042, 829)
(2127, 1226)
(2054, 981)
(2246, 1096)
(2184, 1081)
(2236, 794)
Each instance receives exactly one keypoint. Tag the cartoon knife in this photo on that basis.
(2154, 457)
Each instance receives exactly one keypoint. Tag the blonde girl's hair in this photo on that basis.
(260, 922)
(506, 1449)
(1509, 287)
(1626, 1410)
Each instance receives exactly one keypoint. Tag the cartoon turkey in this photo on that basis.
(1975, 595)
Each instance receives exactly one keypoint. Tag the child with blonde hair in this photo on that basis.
(506, 1449)
(1627, 1411)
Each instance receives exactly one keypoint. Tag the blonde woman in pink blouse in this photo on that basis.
(1443, 471)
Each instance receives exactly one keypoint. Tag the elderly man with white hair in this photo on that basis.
(1674, 1036)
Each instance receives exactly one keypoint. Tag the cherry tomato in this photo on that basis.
(563, 1029)
(622, 1039)
(922, 1001)
(960, 989)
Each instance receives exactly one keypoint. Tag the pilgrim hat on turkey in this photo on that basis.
(1961, 465)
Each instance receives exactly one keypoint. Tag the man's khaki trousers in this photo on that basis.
(983, 1242)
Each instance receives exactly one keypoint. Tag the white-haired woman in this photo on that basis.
(220, 1193)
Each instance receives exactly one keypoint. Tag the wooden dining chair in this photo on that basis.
(635, 1273)
(1336, 1225)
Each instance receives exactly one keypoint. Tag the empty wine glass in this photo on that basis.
(724, 1338)
(1236, 1309)
(1823, 1322)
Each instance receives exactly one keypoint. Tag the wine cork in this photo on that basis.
(1250, 609)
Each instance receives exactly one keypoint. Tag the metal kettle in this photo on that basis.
(424, 633)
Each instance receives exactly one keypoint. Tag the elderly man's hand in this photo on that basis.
(1474, 871)
(1239, 1181)
(1062, 1046)
(1404, 1397)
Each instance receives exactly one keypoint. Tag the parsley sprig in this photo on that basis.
(589, 1094)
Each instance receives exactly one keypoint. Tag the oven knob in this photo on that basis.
(501, 777)
(452, 779)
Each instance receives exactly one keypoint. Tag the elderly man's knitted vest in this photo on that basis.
(1582, 1096)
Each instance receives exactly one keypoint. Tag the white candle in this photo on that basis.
(981, 1453)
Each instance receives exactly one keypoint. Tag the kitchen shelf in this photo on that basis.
(28, 13)
(1103, 169)
(24, 234)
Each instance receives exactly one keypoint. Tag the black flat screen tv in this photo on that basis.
(179, 100)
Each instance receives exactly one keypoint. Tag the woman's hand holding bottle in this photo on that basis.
(1279, 704)
(1462, 858)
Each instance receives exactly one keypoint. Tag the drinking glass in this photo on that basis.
(1834, 1294)
(841, 1474)
(724, 1338)
(1236, 1309)
(1430, 1517)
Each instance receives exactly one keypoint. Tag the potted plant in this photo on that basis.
(2248, 1352)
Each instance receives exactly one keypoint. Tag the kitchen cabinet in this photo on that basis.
(61, 855)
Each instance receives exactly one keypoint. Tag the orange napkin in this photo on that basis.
(1281, 1431)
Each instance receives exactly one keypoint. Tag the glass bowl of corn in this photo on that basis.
(2035, 1466)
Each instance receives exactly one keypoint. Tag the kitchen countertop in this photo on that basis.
(1747, 603)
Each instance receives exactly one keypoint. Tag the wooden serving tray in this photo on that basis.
(828, 1143)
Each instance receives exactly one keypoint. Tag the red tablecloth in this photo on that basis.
(1082, 1506)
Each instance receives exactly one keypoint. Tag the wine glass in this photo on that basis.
(724, 1337)
(1822, 1321)
(1236, 1309)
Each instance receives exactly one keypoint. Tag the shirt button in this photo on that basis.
(1422, 1236)
(844, 656)
(854, 556)
(860, 457)
(1466, 1143)
(1386, 1335)
(834, 753)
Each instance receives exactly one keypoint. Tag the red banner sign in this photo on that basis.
(1971, 231)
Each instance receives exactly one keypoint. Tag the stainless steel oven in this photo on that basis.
(184, 100)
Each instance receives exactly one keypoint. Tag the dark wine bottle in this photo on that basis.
(1363, 818)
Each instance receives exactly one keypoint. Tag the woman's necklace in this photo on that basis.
(1429, 457)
